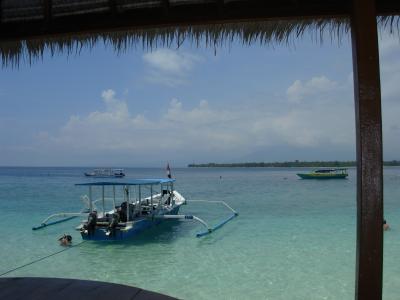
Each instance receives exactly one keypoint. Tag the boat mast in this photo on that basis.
(172, 194)
(161, 196)
(127, 202)
(151, 197)
(90, 199)
(114, 196)
(137, 207)
(103, 202)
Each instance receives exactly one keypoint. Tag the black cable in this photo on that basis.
(42, 258)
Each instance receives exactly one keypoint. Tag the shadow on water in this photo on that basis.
(164, 233)
(168, 233)
(217, 236)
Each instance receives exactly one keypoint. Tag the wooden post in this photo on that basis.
(367, 95)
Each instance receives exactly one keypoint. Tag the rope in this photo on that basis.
(40, 259)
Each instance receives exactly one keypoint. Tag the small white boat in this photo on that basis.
(106, 173)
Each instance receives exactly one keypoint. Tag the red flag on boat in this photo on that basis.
(168, 171)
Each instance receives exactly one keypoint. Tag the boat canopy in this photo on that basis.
(132, 182)
(329, 170)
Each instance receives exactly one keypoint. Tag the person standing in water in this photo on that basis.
(385, 225)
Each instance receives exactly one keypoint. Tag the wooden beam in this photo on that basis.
(113, 7)
(388, 7)
(166, 7)
(182, 15)
(367, 94)
(175, 15)
(220, 7)
(14, 288)
(47, 10)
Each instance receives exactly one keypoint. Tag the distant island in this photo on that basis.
(288, 164)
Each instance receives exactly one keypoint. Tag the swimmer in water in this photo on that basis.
(65, 240)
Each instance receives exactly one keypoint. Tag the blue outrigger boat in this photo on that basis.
(135, 206)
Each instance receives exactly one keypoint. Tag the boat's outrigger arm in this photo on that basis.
(184, 217)
(66, 216)
(191, 217)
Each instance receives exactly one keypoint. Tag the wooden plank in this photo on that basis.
(146, 295)
(369, 150)
(71, 289)
(387, 7)
(12, 288)
(188, 14)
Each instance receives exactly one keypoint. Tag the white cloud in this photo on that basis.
(200, 131)
(116, 112)
(168, 67)
(350, 78)
(389, 47)
(388, 44)
(316, 85)
(315, 113)
(170, 61)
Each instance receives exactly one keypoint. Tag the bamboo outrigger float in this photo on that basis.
(136, 205)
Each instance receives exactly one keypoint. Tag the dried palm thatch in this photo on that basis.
(271, 32)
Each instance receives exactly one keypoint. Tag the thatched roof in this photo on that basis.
(30, 27)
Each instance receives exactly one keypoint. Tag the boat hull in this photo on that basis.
(138, 227)
(322, 176)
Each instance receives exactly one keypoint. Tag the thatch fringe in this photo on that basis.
(216, 36)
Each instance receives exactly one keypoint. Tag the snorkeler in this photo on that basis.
(65, 240)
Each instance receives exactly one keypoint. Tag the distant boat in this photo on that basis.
(106, 173)
(325, 174)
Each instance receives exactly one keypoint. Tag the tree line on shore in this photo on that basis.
(288, 164)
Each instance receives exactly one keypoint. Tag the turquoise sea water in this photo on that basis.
(294, 239)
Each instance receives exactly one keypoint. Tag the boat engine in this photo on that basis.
(90, 226)
(113, 224)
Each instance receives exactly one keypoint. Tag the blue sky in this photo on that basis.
(242, 103)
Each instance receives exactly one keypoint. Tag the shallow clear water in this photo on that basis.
(293, 239)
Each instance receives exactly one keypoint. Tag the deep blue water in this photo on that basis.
(294, 239)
